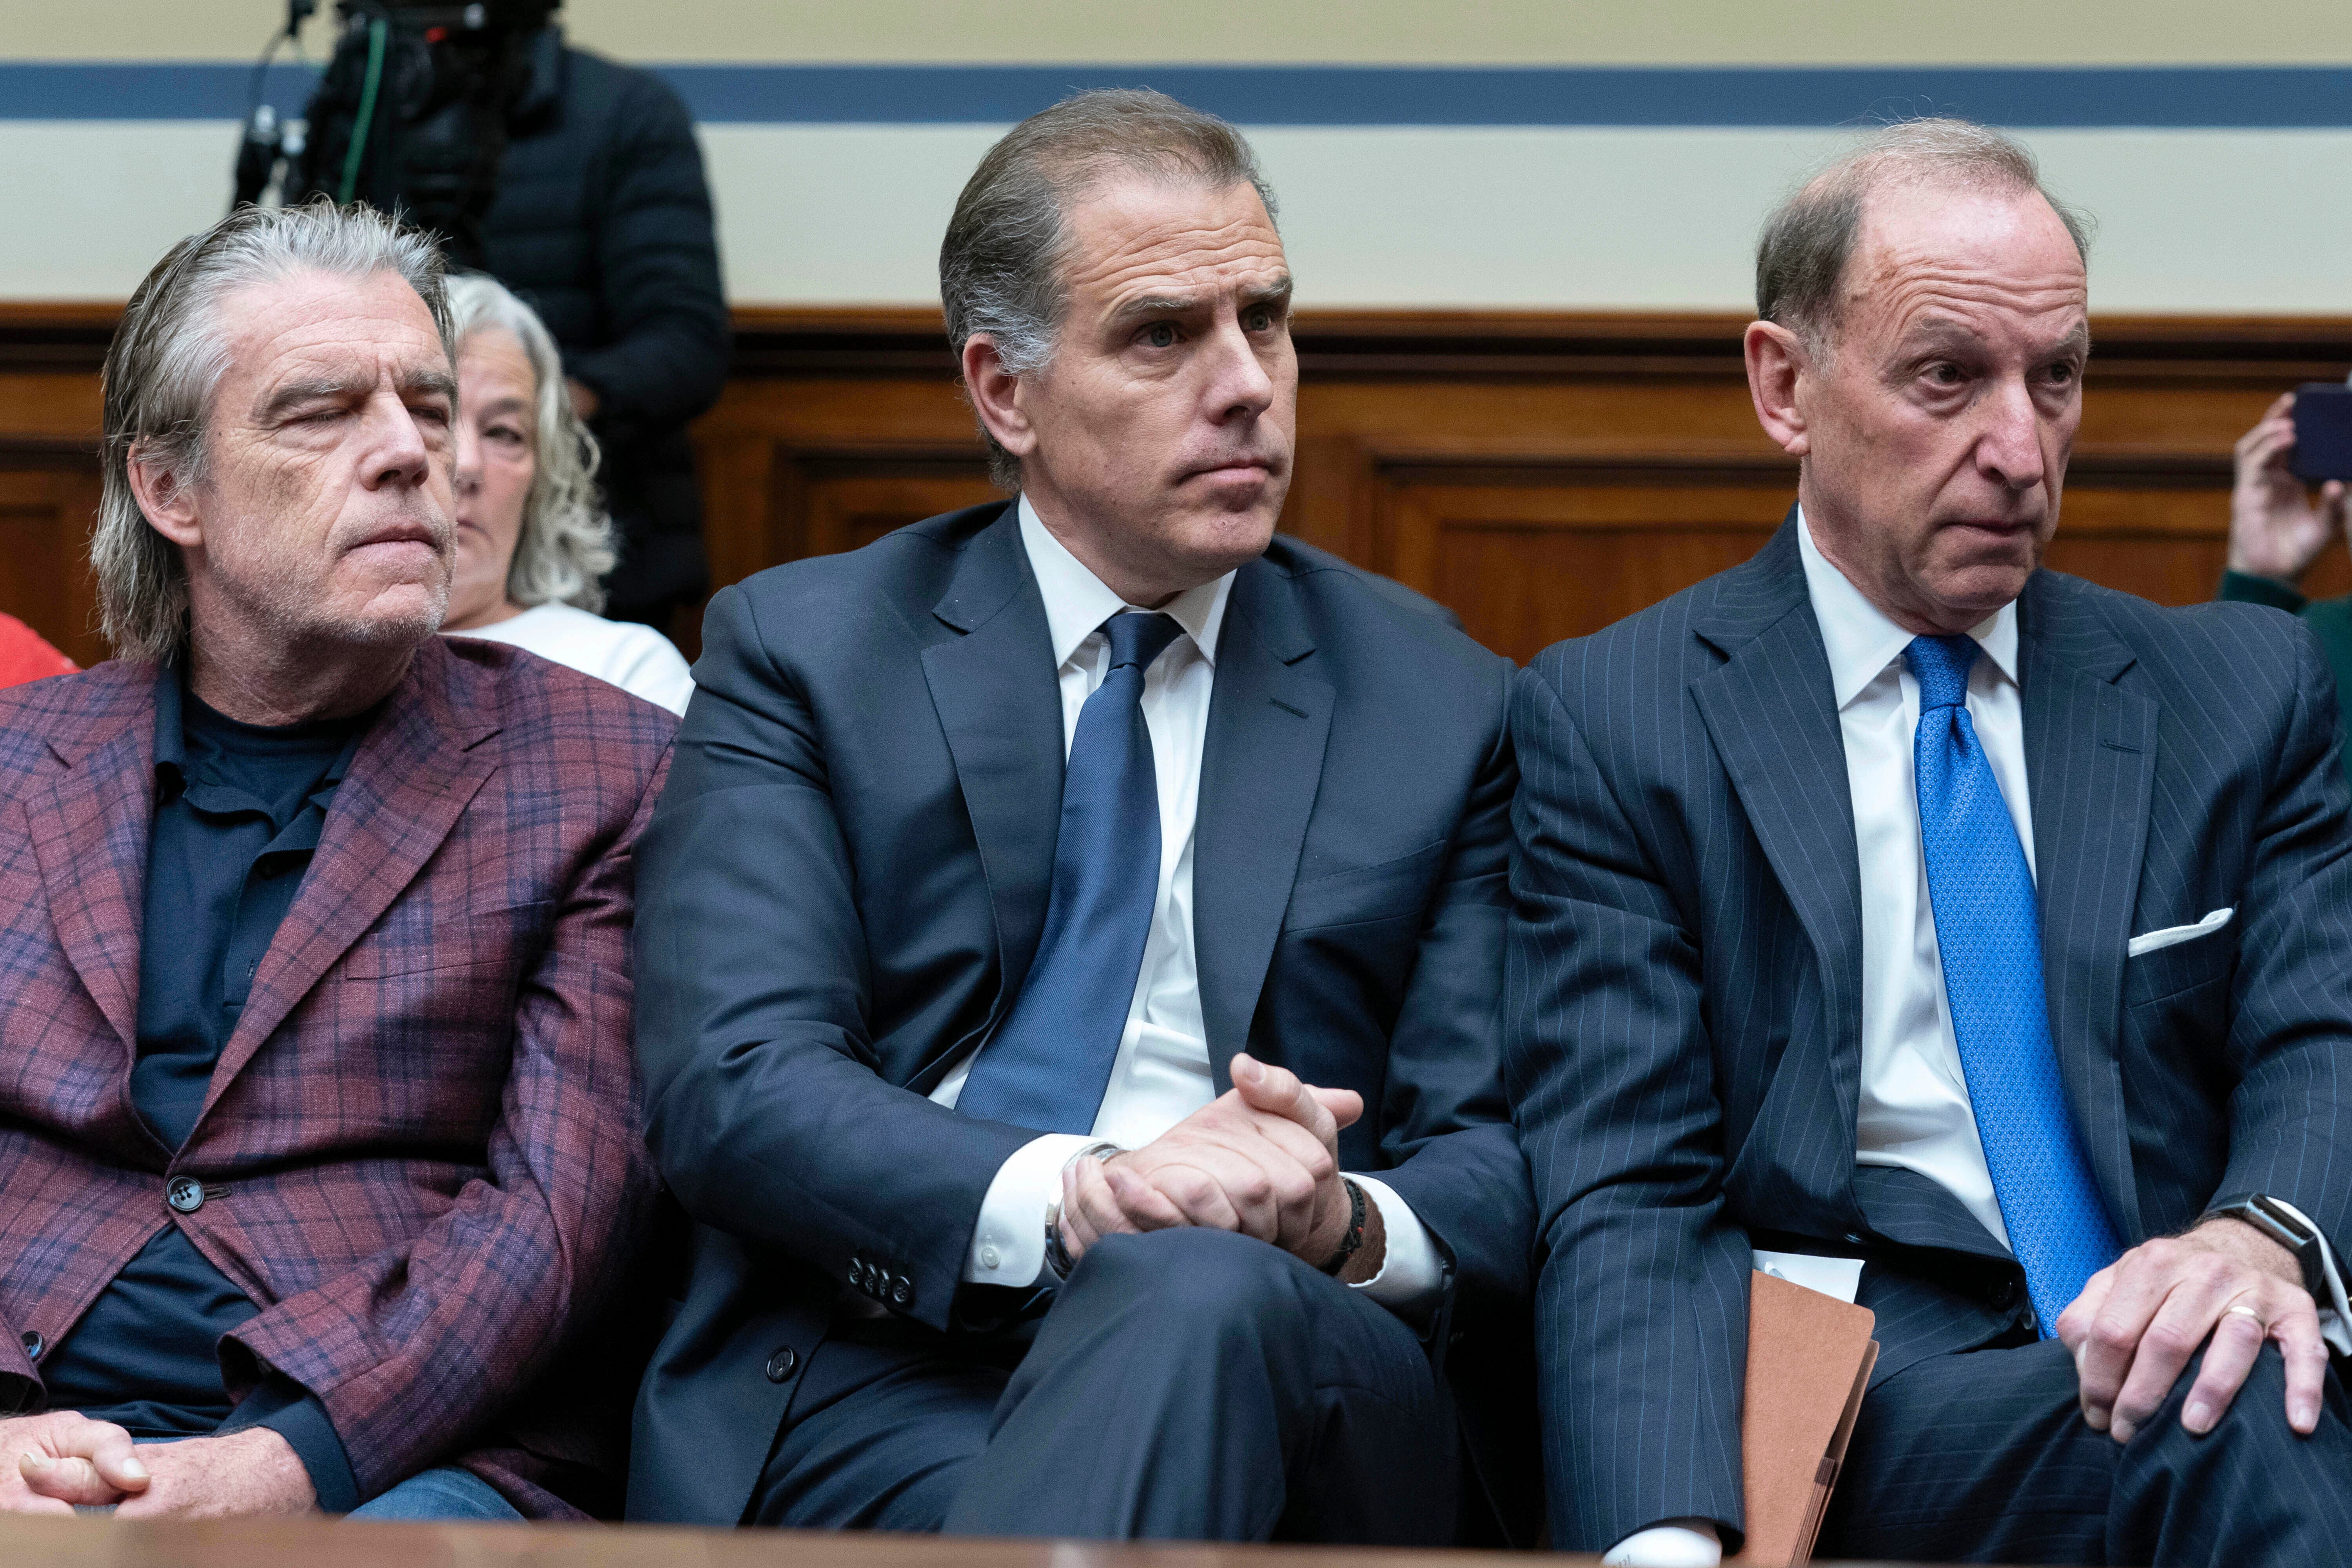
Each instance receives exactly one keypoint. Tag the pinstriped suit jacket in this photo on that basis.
(1685, 984)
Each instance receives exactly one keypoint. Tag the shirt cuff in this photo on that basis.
(2245, 588)
(2335, 1314)
(1412, 1276)
(1008, 1244)
(1665, 1546)
(294, 1413)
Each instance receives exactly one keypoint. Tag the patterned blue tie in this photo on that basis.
(1989, 930)
(1046, 1068)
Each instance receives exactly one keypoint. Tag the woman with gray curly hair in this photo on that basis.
(532, 540)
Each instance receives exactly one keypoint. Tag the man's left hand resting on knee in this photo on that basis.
(2140, 1321)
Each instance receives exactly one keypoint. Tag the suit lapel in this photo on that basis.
(415, 773)
(90, 826)
(2090, 759)
(1260, 769)
(1771, 710)
(997, 700)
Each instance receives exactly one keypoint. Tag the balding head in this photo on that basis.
(1808, 245)
(1921, 356)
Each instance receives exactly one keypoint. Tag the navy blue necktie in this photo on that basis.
(1988, 931)
(1046, 1068)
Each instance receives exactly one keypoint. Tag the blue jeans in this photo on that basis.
(447, 1493)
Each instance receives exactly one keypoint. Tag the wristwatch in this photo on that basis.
(1058, 1262)
(2288, 1228)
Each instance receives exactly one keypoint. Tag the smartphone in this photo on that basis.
(2323, 431)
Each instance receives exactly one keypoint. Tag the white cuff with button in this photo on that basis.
(1008, 1244)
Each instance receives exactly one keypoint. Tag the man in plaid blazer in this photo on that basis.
(318, 1116)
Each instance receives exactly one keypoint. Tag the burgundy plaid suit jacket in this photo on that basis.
(427, 1118)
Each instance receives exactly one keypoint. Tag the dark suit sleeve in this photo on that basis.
(657, 263)
(2291, 1036)
(1642, 1288)
(766, 1113)
(1446, 1128)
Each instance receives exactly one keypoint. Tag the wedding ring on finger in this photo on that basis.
(2248, 1312)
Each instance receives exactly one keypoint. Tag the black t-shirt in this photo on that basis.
(238, 810)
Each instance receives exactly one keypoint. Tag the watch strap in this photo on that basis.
(1058, 1262)
(1353, 1240)
(2265, 1214)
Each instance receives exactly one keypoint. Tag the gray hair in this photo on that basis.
(1810, 238)
(566, 544)
(166, 362)
(1001, 263)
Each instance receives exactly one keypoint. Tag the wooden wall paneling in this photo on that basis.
(851, 499)
(1549, 504)
(806, 461)
(1543, 473)
(49, 499)
(1530, 553)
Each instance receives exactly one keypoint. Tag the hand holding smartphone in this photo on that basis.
(2323, 431)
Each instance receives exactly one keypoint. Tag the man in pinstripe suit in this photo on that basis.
(1983, 934)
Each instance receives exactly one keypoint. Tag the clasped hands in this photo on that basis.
(63, 1459)
(2140, 1321)
(1261, 1160)
(2275, 531)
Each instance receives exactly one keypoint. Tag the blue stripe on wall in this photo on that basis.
(2208, 96)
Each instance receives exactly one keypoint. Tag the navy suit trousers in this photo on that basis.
(1185, 1384)
(1983, 1457)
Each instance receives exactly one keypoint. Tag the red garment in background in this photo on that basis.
(24, 655)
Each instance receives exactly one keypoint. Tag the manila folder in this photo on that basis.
(1808, 1360)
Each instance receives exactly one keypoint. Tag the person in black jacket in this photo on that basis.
(602, 224)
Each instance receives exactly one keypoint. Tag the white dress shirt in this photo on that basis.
(1161, 1073)
(1915, 1109)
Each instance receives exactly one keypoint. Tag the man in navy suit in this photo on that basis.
(1069, 949)
(1977, 939)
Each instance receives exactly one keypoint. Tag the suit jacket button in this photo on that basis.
(33, 1345)
(2004, 1295)
(902, 1290)
(781, 1365)
(185, 1194)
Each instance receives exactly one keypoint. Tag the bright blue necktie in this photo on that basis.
(1046, 1068)
(1989, 930)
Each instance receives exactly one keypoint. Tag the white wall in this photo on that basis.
(2190, 221)
(1397, 32)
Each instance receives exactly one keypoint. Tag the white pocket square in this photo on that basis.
(2171, 936)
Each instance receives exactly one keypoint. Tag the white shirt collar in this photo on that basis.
(1862, 642)
(1077, 602)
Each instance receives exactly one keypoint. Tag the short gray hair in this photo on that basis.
(1810, 238)
(566, 544)
(166, 362)
(1001, 263)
